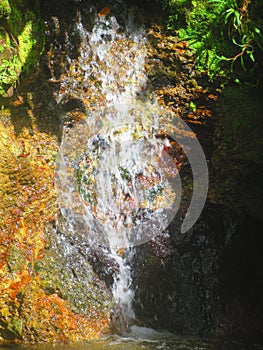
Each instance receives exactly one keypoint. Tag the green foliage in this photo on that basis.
(223, 33)
(21, 42)
(178, 10)
(9, 69)
(243, 32)
(5, 8)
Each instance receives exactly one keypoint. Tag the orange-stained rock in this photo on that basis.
(35, 304)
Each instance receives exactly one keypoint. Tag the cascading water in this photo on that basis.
(115, 60)
(111, 62)
(120, 73)
(117, 178)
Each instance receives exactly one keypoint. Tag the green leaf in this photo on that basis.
(236, 43)
(243, 63)
(229, 13)
(252, 56)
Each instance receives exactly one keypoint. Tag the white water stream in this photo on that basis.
(117, 185)
(117, 60)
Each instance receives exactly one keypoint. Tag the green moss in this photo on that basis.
(5, 8)
(15, 326)
(4, 38)
(16, 259)
(21, 42)
(73, 285)
(71, 277)
(10, 68)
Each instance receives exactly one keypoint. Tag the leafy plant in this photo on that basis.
(8, 71)
(223, 33)
(243, 32)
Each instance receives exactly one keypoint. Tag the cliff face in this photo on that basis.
(21, 41)
(45, 294)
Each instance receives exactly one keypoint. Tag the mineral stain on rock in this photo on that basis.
(41, 297)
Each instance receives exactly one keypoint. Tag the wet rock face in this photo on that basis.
(48, 290)
(239, 191)
(208, 281)
(241, 281)
(178, 287)
(72, 276)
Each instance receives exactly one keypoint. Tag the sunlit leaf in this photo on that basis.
(104, 12)
(252, 56)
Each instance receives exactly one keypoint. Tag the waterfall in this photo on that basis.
(109, 175)
(117, 180)
(112, 55)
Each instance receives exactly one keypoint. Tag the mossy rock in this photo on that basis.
(21, 41)
(70, 275)
(5, 8)
(16, 259)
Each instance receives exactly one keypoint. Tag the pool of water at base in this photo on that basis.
(147, 339)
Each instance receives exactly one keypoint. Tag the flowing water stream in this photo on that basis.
(117, 172)
(147, 341)
(117, 186)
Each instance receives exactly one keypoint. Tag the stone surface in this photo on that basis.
(45, 295)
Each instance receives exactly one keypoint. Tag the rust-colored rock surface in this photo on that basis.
(36, 287)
